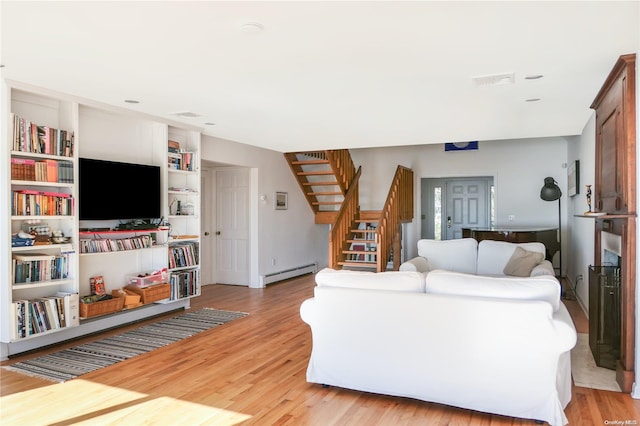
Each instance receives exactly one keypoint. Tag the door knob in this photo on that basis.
(206, 233)
(217, 232)
(448, 221)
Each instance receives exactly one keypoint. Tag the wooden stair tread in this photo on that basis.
(309, 162)
(359, 241)
(325, 193)
(316, 173)
(334, 183)
(326, 203)
(361, 264)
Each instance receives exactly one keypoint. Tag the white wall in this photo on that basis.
(289, 236)
(517, 166)
(580, 230)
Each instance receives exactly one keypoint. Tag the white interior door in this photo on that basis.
(466, 206)
(232, 226)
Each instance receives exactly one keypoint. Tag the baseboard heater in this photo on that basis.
(288, 273)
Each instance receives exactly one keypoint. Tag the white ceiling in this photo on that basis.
(329, 74)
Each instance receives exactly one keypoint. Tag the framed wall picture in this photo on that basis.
(573, 178)
(282, 200)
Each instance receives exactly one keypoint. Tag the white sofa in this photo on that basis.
(466, 255)
(502, 348)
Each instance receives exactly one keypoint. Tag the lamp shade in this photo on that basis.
(550, 191)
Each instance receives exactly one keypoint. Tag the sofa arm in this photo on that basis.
(543, 268)
(418, 264)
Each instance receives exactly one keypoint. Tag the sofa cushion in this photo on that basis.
(419, 264)
(407, 281)
(545, 288)
(452, 255)
(522, 262)
(494, 255)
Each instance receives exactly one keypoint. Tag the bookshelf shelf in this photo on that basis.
(41, 183)
(40, 284)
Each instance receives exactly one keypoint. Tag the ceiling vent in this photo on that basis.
(494, 79)
(185, 114)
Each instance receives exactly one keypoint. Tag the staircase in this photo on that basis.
(361, 240)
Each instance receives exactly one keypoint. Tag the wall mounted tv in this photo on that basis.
(110, 190)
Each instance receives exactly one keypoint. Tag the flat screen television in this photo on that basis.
(109, 190)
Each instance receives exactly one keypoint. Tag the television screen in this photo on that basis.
(108, 190)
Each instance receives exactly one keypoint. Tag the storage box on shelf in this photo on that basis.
(154, 293)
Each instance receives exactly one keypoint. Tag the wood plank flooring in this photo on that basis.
(249, 371)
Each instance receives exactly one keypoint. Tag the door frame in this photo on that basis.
(209, 184)
(427, 187)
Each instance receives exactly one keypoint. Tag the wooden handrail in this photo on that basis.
(342, 166)
(342, 226)
(398, 208)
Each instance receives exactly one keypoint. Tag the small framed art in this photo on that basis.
(282, 201)
(573, 178)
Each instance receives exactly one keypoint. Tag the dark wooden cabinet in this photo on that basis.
(547, 236)
(615, 194)
(614, 190)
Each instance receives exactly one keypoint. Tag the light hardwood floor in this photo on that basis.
(250, 371)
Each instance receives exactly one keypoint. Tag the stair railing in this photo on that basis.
(341, 228)
(342, 166)
(398, 208)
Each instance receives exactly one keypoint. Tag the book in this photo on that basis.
(71, 308)
(97, 285)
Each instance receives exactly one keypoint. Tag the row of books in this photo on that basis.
(41, 170)
(38, 267)
(29, 317)
(183, 254)
(29, 202)
(31, 137)
(105, 245)
(184, 283)
(183, 160)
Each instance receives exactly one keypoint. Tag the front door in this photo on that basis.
(232, 226)
(466, 206)
(450, 204)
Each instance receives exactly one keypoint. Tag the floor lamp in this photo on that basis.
(551, 192)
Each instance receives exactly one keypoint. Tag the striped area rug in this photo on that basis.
(73, 362)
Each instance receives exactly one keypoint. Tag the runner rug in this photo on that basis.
(73, 362)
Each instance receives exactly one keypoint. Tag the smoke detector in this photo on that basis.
(494, 79)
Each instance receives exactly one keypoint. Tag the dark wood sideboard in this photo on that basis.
(547, 236)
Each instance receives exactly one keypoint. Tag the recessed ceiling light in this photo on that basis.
(251, 27)
(494, 79)
(209, 124)
(186, 114)
(532, 100)
(131, 101)
(533, 77)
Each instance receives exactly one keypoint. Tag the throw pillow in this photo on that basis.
(522, 262)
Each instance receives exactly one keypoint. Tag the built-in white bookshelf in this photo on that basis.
(40, 181)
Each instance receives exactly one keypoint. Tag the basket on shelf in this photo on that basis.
(152, 293)
(88, 310)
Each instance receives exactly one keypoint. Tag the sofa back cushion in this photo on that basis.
(544, 288)
(494, 255)
(407, 281)
(452, 255)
